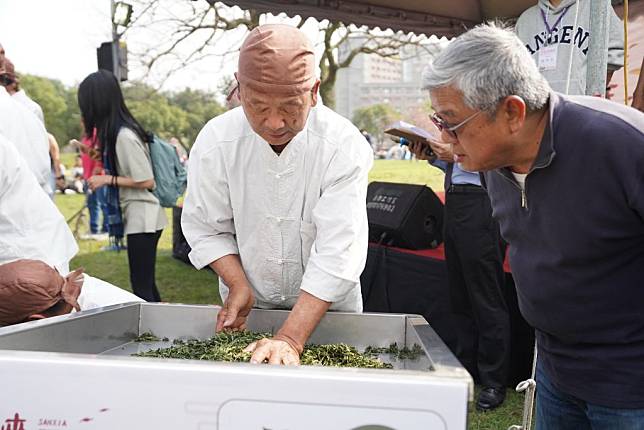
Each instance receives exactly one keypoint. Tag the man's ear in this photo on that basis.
(514, 110)
(314, 93)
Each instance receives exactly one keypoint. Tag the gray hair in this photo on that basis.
(486, 64)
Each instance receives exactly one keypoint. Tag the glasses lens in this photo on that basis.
(437, 121)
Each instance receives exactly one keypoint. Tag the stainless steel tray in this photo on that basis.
(99, 342)
(112, 331)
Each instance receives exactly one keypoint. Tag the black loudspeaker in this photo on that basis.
(404, 215)
(105, 58)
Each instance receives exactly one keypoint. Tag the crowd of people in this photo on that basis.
(276, 195)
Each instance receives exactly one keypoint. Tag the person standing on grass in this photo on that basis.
(133, 210)
(565, 176)
(92, 165)
(276, 196)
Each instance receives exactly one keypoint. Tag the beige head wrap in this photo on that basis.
(277, 59)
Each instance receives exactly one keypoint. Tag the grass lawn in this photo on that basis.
(180, 283)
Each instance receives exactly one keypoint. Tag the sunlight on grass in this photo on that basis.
(407, 172)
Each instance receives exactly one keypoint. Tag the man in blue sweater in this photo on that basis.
(565, 176)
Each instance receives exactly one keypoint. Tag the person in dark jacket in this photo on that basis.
(565, 176)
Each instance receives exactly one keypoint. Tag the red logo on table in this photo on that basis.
(15, 423)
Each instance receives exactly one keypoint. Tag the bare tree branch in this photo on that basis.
(188, 32)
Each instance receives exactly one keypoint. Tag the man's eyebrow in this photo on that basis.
(447, 112)
(292, 102)
(257, 101)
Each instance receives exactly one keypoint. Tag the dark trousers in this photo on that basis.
(474, 252)
(142, 256)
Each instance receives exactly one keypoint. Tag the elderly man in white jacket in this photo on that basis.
(276, 196)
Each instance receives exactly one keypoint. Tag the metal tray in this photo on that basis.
(98, 344)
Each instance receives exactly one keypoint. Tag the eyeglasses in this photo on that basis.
(450, 129)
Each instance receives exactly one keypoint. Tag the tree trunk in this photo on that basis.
(328, 94)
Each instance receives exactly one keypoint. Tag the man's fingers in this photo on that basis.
(274, 351)
(231, 316)
(221, 317)
(251, 347)
(415, 148)
(274, 357)
(228, 319)
(262, 352)
(291, 359)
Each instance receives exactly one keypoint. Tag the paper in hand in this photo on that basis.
(411, 132)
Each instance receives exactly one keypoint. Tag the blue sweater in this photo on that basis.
(577, 248)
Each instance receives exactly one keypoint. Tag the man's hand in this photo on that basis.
(236, 308)
(287, 345)
(240, 298)
(419, 149)
(277, 350)
(442, 150)
(72, 287)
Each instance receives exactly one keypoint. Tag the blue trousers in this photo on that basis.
(96, 207)
(560, 411)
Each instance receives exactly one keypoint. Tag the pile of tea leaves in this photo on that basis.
(148, 337)
(229, 346)
(404, 353)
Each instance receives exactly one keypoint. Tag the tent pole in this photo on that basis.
(598, 47)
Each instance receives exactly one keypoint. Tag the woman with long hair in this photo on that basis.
(133, 210)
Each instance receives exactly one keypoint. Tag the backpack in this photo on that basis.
(169, 175)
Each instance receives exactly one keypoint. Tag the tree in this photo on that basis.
(59, 105)
(194, 31)
(200, 107)
(419, 116)
(180, 115)
(375, 118)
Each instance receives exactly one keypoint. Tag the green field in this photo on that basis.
(181, 283)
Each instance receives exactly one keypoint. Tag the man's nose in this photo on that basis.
(275, 121)
(447, 136)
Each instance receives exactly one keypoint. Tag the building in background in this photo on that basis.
(371, 79)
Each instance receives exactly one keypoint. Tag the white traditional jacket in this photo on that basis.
(297, 220)
(22, 97)
(23, 129)
(31, 226)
